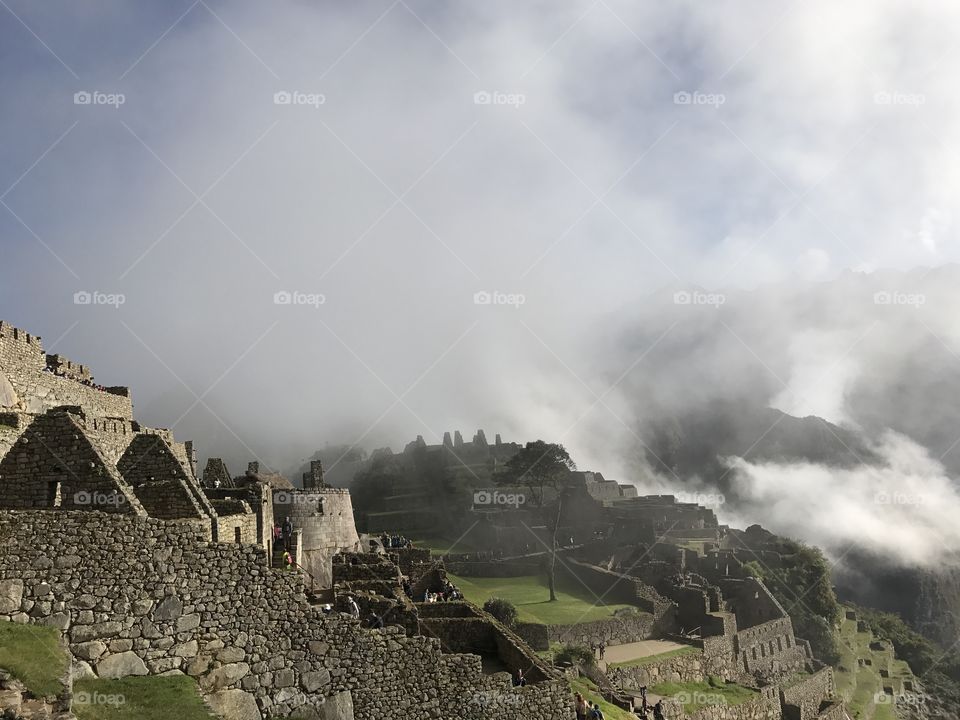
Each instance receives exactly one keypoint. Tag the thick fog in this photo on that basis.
(282, 215)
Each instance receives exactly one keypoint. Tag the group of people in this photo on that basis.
(645, 708)
(83, 381)
(284, 533)
(391, 542)
(448, 591)
(586, 709)
(598, 650)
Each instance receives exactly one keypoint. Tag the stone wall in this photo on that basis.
(676, 668)
(616, 630)
(23, 363)
(326, 518)
(137, 595)
(54, 464)
(807, 695)
(759, 708)
(770, 648)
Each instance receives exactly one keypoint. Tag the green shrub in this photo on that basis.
(573, 654)
(502, 610)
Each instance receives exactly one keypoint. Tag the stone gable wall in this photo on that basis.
(144, 596)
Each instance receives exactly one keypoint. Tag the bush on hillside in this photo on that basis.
(574, 655)
(502, 610)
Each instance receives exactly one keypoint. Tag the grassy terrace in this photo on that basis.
(34, 656)
(139, 698)
(530, 596)
(696, 695)
(651, 659)
(858, 684)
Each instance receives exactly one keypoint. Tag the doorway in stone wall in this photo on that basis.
(236, 535)
(53, 494)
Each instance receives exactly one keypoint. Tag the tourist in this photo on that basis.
(352, 608)
(519, 680)
(374, 621)
(287, 560)
(658, 710)
(595, 712)
(602, 647)
(580, 706)
(287, 532)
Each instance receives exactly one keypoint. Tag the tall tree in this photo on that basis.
(537, 466)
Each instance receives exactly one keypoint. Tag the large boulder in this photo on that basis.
(8, 396)
(224, 676)
(334, 707)
(121, 665)
(234, 705)
(11, 595)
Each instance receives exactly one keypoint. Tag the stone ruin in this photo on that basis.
(108, 535)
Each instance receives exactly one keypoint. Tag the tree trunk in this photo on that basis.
(551, 571)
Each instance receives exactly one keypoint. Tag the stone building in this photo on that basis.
(69, 443)
(108, 535)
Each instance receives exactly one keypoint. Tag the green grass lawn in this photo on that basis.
(139, 698)
(531, 597)
(34, 656)
(700, 694)
(585, 687)
(442, 546)
(651, 659)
